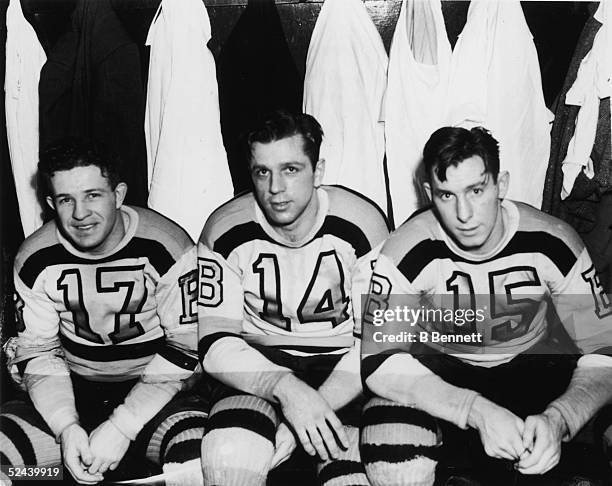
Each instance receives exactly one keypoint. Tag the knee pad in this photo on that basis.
(348, 468)
(238, 444)
(398, 444)
(25, 438)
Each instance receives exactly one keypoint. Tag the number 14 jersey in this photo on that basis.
(256, 285)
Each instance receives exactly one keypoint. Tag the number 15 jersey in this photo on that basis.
(539, 261)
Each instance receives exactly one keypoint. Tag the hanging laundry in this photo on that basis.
(91, 87)
(592, 84)
(587, 207)
(495, 66)
(491, 78)
(256, 75)
(418, 77)
(24, 60)
(187, 164)
(346, 74)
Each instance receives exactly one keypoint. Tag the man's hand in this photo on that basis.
(285, 445)
(108, 446)
(77, 454)
(542, 436)
(311, 417)
(501, 432)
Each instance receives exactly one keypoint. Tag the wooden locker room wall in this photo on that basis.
(555, 26)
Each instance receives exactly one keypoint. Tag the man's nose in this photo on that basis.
(464, 209)
(81, 210)
(277, 184)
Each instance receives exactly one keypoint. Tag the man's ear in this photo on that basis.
(50, 202)
(503, 181)
(427, 189)
(120, 192)
(319, 172)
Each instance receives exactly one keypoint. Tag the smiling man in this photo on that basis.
(107, 324)
(512, 395)
(277, 269)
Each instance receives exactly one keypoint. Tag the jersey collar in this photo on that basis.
(512, 223)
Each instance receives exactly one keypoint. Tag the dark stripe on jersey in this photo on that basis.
(4, 460)
(238, 235)
(178, 358)
(115, 352)
(365, 198)
(181, 426)
(422, 255)
(337, 469)
(309, 349)
(396, 453)
(607, 351)
(347, 231)
(370, 364)
(243, 418)
(153, 250)
(388, 414)
(184, 451)
(19, 438)
(425, 252)
(207, 341)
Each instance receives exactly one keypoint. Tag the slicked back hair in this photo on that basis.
(449, 146)
(282, 124)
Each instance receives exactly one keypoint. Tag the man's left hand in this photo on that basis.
(108, 446)
(542, 437)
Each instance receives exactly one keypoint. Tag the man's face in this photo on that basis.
(285, 182)
(468, 204)
(87, 208)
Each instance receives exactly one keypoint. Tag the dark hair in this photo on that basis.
(452, 145)
(72, 152)
(282, 124)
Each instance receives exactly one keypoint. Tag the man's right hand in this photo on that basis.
(501, 432)
(311, 417)
(77, 455)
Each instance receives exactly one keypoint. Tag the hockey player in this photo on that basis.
(277, 269)
(509, 394)
(107, 321)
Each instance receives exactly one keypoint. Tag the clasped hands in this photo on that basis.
(534, 443)
(89, 457)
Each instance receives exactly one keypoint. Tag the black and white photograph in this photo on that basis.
(306, 243)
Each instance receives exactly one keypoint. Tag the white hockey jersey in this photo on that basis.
(24, 60)
(346, 76)
(188, 172)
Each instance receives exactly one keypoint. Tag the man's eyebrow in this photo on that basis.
(292, 162)
(282, 164)
(482, 182)
(441, 191)
(86, 191)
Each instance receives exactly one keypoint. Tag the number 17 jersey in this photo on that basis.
(113, 313)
